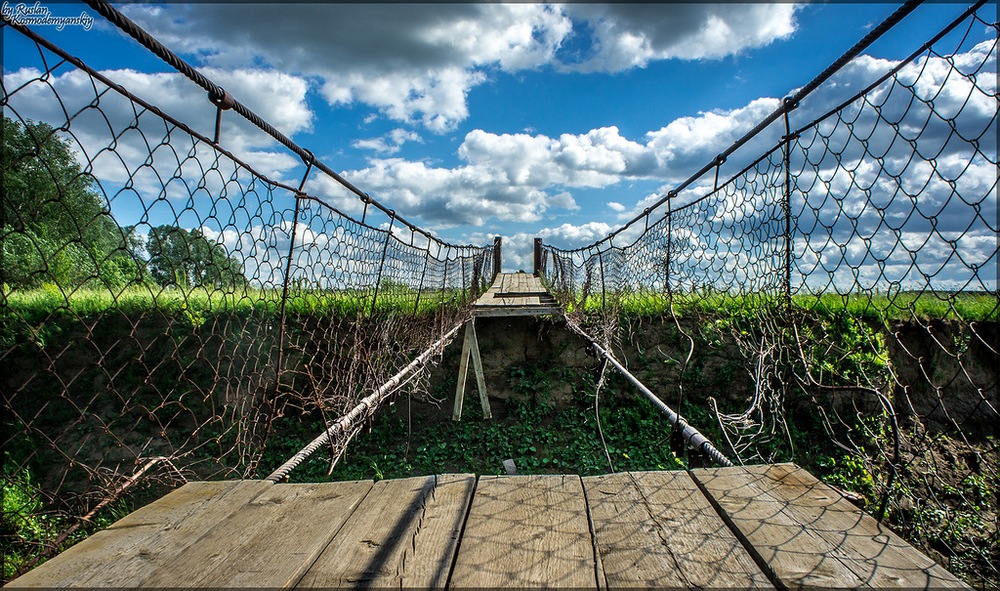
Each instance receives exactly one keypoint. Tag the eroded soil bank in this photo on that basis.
(942, 373)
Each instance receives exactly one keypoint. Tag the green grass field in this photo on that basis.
(901, 307)
(37, 304)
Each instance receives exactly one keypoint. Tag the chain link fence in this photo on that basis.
(164, 302)
(841, 289)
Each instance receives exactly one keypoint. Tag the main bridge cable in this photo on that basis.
(787, 105)
(121, 90)
(692, 436)
(222, 99)
(118, 88)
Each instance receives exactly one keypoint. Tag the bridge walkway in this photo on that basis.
(744, 527)
(512, 294)
(516, 294)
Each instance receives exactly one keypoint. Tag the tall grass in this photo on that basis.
(904, 306)
(36, 305)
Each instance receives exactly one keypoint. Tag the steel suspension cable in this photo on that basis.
(787, 105)
(222, 99)
(366, 407)
(691, 435)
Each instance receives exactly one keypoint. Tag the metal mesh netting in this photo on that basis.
(847, 280)
(163, 302)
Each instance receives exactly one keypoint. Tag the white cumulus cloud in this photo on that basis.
(417, 63)
(100, 117)
(632, 35)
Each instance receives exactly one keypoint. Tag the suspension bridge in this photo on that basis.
(843, 256)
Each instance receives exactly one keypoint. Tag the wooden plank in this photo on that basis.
(463, 370)
(877, 555)
(368, 550)
(526, 531)
(477, 367)
(436, 540)
(521, 294)
(796, 555)
(656, 529)
(890, 560)
(511, 301)
(137, 545)
(270, 542)
(507, 312)
(403, 535)
(810, 536)
(516, 300)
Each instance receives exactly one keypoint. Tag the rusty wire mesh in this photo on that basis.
(844, 285)
(163, 302)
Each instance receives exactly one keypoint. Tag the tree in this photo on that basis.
(186, 258)
(55, 226)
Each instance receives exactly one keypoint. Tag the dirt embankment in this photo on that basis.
(511, 346)
(946, 373)
(943, 374)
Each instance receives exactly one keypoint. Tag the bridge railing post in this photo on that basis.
(497, 257)
(786, 204)
(538, 258)
(477, 275)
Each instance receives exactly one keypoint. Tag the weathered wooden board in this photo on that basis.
(439, 535)
(403, 535)
(477, 367)
(271, 542)
(877, 555)
(526, 531)
(144, 541)
(797, 556)
(520, 294)
(810, 536)
(504, 312)
(657, 529)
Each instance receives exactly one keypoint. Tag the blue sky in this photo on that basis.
(475, 120)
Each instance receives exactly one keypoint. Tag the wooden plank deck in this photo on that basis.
(656, 530)
(745, 527)
(516, 294)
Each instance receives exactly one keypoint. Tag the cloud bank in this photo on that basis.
(417, 63)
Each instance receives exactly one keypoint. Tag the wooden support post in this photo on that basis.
(538, 257)
(470, 348)
(477, 366)
(497, 257)
(463, 372)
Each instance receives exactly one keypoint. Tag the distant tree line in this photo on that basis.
(57, 228)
